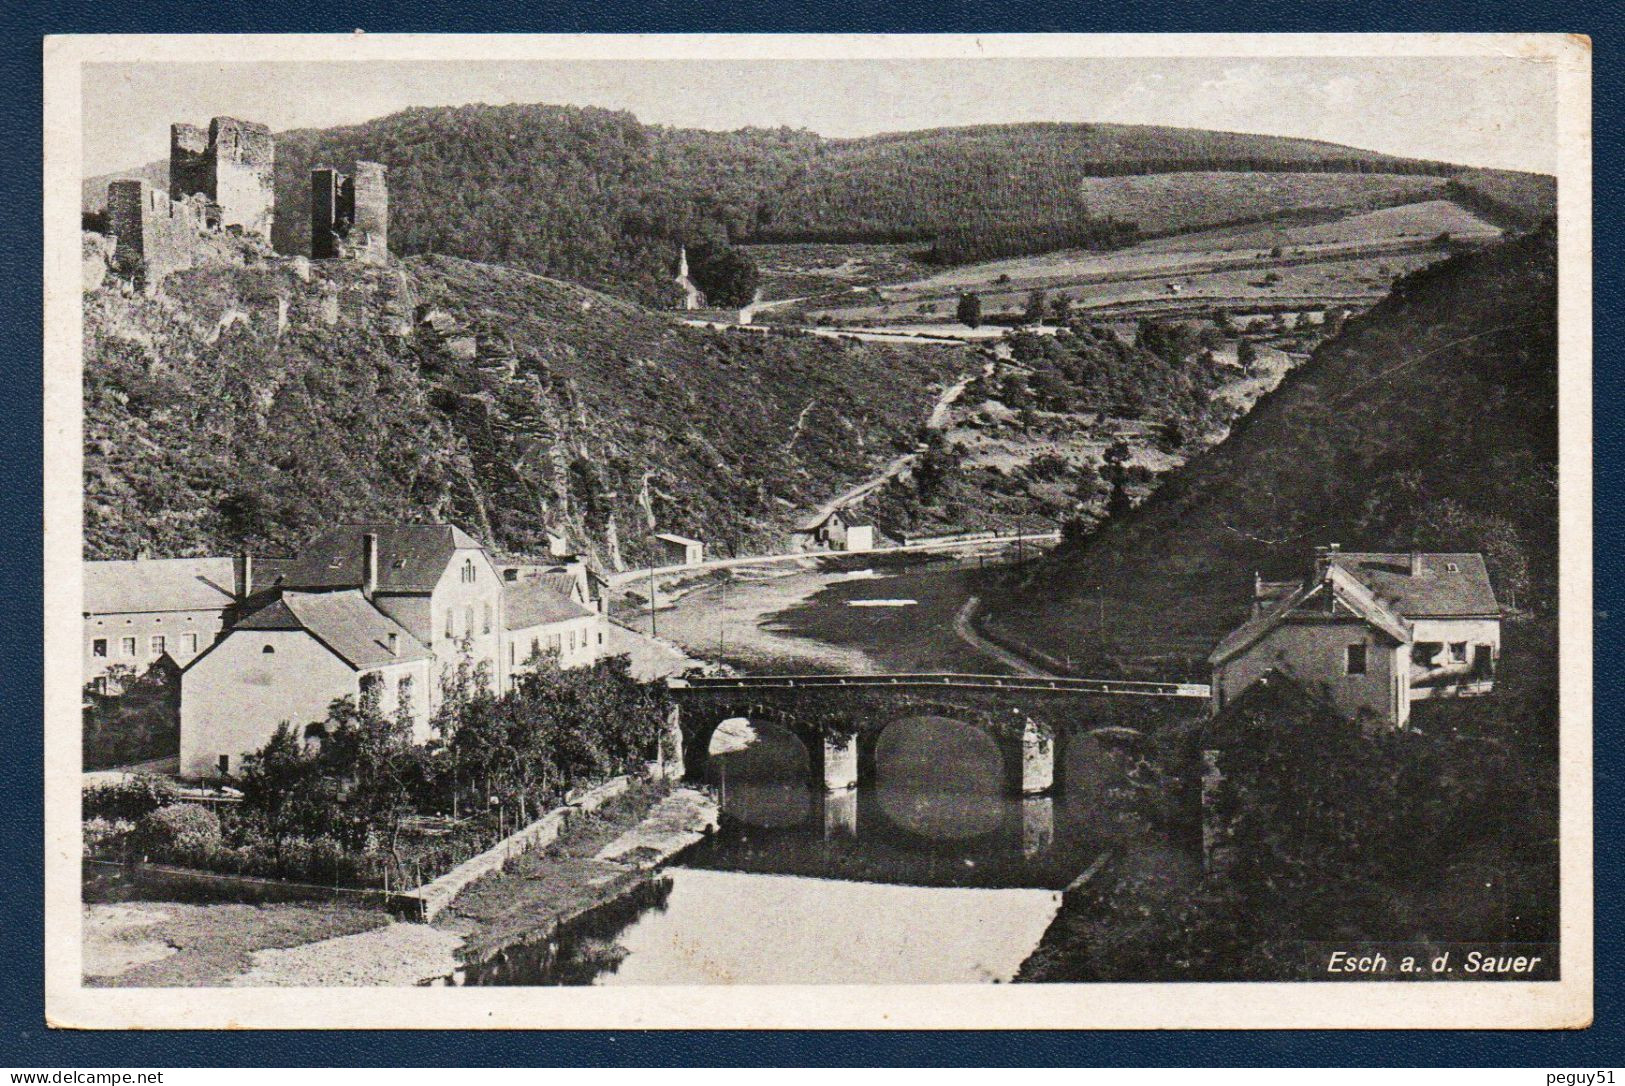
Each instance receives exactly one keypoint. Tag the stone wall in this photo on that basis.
(230, 165)
(164, 234)
(349, 216)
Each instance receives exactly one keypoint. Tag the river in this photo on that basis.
(932, 875)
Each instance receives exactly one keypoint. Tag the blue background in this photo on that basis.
(24, 1040)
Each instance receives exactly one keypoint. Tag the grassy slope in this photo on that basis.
(210, 418)
(1452, 378)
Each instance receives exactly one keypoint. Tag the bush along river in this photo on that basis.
(928, 872)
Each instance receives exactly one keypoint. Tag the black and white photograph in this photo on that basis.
(1052, 531)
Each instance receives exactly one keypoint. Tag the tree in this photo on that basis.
(1036, 302)
(1116, 474)
(1246, 354)
(279, 783)
(1060, 308)
(727, 276)
(969, 312)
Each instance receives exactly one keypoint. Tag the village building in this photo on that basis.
(547, 616)
(436, 580)
(837, 531)
(140, 611)
(377, 610)
(1370, 633)
(677, 550)
(288, 662)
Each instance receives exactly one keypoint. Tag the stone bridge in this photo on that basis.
(841, 718)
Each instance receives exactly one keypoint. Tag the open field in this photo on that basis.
(1165, 203)
(1335, 259)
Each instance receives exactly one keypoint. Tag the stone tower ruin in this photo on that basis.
(349, 216)
(232, 165)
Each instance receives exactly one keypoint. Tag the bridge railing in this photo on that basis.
(1126, 687)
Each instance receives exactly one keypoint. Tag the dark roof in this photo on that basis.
(351, 627)
(158, 584)
(538, 602)
(411, 557)
(1436, 592)
(1346, 591)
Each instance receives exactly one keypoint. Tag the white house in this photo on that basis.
(546, 615)
(288, 661)
(1370, 632)
(383, 609)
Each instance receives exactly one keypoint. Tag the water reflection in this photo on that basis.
(933, 810)
(918, 795)
(717, 927)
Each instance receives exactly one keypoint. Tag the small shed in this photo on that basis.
(677, 550)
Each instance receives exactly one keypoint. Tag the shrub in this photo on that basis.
(128, 800)
(182, 827)
(103, 835)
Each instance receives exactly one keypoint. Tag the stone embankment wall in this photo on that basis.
(429, 900)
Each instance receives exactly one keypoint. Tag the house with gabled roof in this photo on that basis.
(140, 611)
(382, 610)
(1370, 633)
(436, 580)
(289, 661)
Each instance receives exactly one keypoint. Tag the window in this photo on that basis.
(224, 762)
(126, 646)
(314, 734)
(451, 617)
(156, 645)
(403, 696)
(535, 646)
(600, 637)
(268, 649)
(468, 620)
(1354, 659)
(98, 647)
(513, 654)
(1451, 567)
(572, 640)
(485, 626)
(555, 642)
(1458, 652)
(469, 571)
(189, 643)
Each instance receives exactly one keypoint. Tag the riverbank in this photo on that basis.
(599, 856)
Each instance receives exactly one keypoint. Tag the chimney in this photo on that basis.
(1416, 563)
(243, 575)
(394, 643)
(369, 564)
(1324, 556)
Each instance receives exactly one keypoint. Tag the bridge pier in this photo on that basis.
(1037, 761)
(840, 763)
(1037, 825)
(841, 814)
(672, 766)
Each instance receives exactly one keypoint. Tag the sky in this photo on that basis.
(1497, 111)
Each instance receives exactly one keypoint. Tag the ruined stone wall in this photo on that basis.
(244, 160)
(349, 217)
(166, 235)
(190, 168)
(328, 212)
(231, 165)
(371, 196)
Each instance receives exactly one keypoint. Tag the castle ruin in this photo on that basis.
(232, 165)
(349, 216)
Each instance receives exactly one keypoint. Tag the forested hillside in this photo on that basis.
(1429, 423)
(595, 196)
(255, 405)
